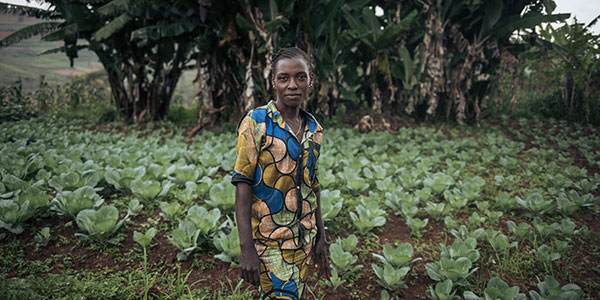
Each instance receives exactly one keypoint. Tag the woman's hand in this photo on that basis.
(249, 265)
(321, 258)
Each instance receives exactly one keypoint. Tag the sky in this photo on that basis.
(584, 10)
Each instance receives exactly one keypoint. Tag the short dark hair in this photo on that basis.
(289, 53)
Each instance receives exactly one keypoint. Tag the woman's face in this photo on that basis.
(291, 81)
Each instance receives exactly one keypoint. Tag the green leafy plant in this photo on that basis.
(437, 210)
(353, 180)
(438, 182)
(545, 256)
(185, 238)
(398, 198)
(408, 180)
(21, 205)
(551, 289)
(424, 194)
(348, 244)
(188, 194)
(134, 207)
(206, 222)
(475, 220)
(391, 278)
(170, 210)
(222, 195)
(343, 261)
(43, 236)
(409, 210)
(471, 188)
(11, 215)
(72, 180)
(149, 189)
(228, 243)
(500, 243)
(505, 201)
(568, 227)
(461, 248)
(399, 257)
(543, 229)
(70, 203)
(335, 281)
(367, 218)
(331, 204)
(586, 186)
(522, 231)
(463, 233)
(565, 205)
(585, 200)
(180, 174)
(482, 206)
(457, 270)
(455, 199)
(493, 216)
(450, 223)
(442, 291)
(121, 178)
(496, 288)
(416, 225)
(100, 224)
(144, 240)
(536, 204)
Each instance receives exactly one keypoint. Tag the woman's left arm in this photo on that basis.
(320, 255)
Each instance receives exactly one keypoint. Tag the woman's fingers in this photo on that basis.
(249, 274)
(253, 277)
(256, 276)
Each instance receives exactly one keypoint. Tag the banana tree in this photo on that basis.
(465, 42)
(572, 56)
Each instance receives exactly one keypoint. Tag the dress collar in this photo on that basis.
(311, 123)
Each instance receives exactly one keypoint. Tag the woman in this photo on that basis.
(277, 202)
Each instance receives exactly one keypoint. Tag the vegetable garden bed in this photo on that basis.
(423, 213)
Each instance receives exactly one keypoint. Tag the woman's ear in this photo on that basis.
(311, 80)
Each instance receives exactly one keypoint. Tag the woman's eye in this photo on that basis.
(282, 78)
(302, 77)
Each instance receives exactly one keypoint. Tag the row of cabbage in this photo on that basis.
(61, 170)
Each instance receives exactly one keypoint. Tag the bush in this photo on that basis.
(183, 116)
(15, 113)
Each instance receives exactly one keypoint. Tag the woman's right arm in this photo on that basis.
(249, 263)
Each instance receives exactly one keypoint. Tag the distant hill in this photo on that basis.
(22, 60)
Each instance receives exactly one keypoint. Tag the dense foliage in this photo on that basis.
(561, 79)
(424, 58)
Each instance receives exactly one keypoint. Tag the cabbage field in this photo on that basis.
(509, 210)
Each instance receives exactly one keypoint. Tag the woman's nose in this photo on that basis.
(292, 85)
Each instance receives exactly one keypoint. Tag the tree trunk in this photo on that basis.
(586, 96)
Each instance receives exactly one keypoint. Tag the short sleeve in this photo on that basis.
(246, 151)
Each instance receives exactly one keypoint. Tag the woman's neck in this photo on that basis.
(288, 112)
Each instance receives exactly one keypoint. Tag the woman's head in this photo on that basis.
(289, 53)
(292, 76)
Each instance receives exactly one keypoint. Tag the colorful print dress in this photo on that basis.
(267, 159)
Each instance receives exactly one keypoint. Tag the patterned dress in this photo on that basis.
(267, 159)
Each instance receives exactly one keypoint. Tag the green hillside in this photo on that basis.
(22, 60)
